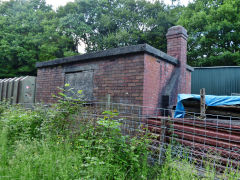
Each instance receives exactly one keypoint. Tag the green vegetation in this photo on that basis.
(31, 31)
(102, 24)
(29, 34)
(59, 143)
(47, 144)
(214, 32)
(98, 152)
(30, 148)
(43, 144)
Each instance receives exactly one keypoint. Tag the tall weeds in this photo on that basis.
(40, 144)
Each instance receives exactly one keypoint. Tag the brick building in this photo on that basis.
(137, 74)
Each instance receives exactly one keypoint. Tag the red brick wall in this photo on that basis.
(48, 79)
(156, 76)
(121, 77)
(132, 79)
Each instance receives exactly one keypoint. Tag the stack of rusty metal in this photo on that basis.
(210, 135)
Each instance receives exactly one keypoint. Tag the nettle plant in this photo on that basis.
(108, 122)
(106, 149)
(100, 141)
(65, 110)
(67, 102)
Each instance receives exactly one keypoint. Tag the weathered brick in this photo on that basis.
(139, 78)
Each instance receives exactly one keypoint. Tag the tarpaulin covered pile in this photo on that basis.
(211, 100)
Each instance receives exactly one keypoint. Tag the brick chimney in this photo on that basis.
(177, 47)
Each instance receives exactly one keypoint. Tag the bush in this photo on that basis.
(21, 123)
(39, 144)
(98, 151)
(60, 117)
(118, 156)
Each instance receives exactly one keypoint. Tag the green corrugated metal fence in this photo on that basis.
(216, 80)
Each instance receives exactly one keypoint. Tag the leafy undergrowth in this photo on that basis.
(40, 144)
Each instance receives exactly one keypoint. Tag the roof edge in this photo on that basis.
(159, 54)
(109, 53)
(190, 68)
(216, 67)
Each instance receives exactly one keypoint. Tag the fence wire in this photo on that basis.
(213, 141)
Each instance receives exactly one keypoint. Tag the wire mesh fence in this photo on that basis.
(212, 141)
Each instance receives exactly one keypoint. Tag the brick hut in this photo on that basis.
(139, 74)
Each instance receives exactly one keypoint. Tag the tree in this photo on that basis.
(30, 31)
(214, 32)
(103, 24)
(28, 34)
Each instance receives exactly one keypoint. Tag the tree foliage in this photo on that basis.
(31, 31)
(214, 32)
(28, 34)
(103, 24)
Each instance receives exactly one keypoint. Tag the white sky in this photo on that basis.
(57, 3)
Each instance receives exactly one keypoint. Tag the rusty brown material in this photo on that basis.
(202, 138)
(208, 132)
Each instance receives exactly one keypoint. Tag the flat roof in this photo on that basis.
(216, 67)
(113, 52)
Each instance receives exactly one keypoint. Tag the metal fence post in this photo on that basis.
(162, 139)
(108, 101)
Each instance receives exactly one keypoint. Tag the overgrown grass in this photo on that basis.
(40, 144)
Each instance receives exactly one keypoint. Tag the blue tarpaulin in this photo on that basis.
(211, 100)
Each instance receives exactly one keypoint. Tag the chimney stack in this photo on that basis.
(177, 47)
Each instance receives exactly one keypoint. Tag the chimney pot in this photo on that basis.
(177, 31)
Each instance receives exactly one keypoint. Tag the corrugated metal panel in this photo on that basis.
(18, 90)
(216, 80)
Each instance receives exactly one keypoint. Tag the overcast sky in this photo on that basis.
(57, 3)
